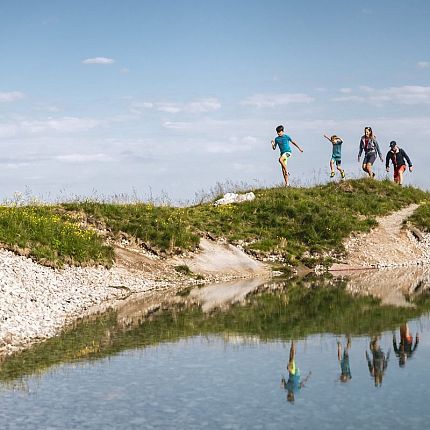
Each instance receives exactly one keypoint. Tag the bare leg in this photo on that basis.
(284, 170)
(400, 177)
(331, 168)
(341, 171)
(369, 170)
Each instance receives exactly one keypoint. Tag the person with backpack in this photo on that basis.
(370, 146)
(399, 158)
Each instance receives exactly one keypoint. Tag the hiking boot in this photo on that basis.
(342, 174)
(332, 175)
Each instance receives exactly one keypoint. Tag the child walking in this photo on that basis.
(283, 142)
(336, 155)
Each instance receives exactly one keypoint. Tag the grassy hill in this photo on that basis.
(295, 224)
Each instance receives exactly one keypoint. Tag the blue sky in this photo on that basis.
(173, 97)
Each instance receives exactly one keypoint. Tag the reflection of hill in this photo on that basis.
(274, 311)
(391, 286)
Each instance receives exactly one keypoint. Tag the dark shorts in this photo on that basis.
(337, 160)
(369, 158)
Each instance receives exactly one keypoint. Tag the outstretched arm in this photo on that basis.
(327, 137)
(297, 146)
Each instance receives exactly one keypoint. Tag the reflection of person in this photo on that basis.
(379, 363)
(370, 146)
(283, 142)
(294, 383)
(336, 155)
(406, 345)
(399, 158)
(345, 370)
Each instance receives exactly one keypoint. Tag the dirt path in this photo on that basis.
(387, 245)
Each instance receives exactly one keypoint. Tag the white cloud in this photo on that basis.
(423, 64)
(11, 96)
(63, 125)
(98, 60)
(196, 106)
(346, 90)
(273, 100)
(407, 95)
(84, 158)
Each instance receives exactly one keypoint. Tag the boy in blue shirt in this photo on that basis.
(336, 155)
(283, 142)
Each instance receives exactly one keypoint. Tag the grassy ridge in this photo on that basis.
(287, 222)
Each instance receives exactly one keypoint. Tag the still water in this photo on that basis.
(215, 357)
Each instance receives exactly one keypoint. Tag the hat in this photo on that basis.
(393, 144)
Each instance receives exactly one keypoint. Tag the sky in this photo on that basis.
(172, 99)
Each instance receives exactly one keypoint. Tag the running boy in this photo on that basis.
(336, 156)
(283, 142)
(397, 156)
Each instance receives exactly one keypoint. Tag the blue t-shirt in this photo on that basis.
(283, 143)
(337, 149)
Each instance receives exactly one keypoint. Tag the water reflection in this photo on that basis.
(293, 383)
(406, 347)
(345, 369)
(378, 362)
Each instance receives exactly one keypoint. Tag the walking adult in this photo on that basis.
(370, 147)
(399, 158)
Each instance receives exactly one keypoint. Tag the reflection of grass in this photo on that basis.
(291, 312)
(50, 238)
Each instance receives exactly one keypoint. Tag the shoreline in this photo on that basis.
(39, 302)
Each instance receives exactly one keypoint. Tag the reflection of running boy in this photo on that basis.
(406, 345)
(336, 156)
(397, 156)
(283, 142)
(294, 382)
(345, 370)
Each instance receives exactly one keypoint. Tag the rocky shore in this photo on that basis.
(37, 302)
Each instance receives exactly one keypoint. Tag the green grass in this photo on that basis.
(304, 225)
(290, 312)
(283, 221)
(51, 239)
(421, 217)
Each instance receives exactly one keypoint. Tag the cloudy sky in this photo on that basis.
(171, 97)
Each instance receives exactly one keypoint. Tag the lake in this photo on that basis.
(215, 358)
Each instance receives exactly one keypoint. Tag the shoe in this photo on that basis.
(373, 174)
(342, 174)
(332, 175)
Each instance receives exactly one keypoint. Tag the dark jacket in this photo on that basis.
(397, 158)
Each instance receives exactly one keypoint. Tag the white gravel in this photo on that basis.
(36, 302)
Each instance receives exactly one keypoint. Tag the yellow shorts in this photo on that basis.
(284, 157)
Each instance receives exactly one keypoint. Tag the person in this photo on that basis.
(345, 370)
(283, 142)
(336, 156)
(370, 146)
(294, 383)
(406, 345)
(397, 156)
(379, 362)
